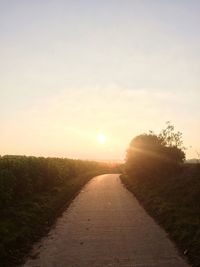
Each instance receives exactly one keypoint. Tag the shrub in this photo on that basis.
(152, 155)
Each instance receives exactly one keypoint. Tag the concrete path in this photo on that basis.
(105, 226)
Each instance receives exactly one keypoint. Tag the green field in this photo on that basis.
(33, 192)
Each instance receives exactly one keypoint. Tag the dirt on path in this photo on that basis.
(105, 226)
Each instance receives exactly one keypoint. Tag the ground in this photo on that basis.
(105, 226)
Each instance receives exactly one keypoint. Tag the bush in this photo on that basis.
(7, 183)
(152, 155)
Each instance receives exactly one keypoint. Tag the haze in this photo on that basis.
(74, 70)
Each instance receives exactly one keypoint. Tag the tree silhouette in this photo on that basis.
(151, 155)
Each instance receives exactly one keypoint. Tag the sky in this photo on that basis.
(72, 70)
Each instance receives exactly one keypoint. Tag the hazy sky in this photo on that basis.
(70, 70)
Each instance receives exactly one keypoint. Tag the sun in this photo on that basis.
(101, 138)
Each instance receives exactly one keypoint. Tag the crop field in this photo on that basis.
(33, 192)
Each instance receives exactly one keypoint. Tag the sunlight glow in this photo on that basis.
(101, 138)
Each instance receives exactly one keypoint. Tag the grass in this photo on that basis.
(26, 222)
(174, 202)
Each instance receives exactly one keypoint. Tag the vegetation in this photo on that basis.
(150, 155)
(33, 191)
(168, 188)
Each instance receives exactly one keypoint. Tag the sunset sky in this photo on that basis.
(73, 73)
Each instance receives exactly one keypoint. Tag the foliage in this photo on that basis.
(32, 192)
(170, 138)
(167, 187)
(150, 154)
(21, 176)
(175, 203)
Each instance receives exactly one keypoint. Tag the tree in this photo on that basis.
(152, 155)
(170, 138)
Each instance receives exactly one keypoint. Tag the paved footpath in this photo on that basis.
(105, 226)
